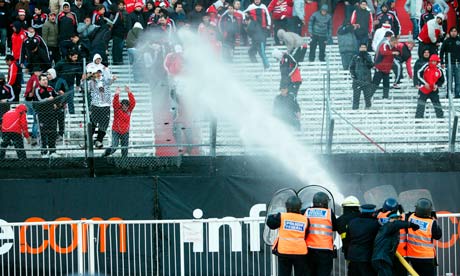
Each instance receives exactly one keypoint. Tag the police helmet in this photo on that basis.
(390, 204)
(320, 199)
(423, 208)
(293, 204)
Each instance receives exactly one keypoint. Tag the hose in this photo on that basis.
(406, 265)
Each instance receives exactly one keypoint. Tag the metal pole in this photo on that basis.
(454, 135)
(91, 249)
(89, 151)
(182, 249)
(330, 137)
(449, 93)
(328, 95)
(80, 247)
(213, 137)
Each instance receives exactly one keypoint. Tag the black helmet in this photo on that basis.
(423, 208)
(321, 199)
(390, 204)
(293, 204)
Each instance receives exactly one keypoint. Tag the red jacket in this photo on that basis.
(430, 75)
(281, 10)
(32, 83)
(16, 43)
(121, 119)
(15, 121)
(430, 32)
(384, 57)
(13, 79)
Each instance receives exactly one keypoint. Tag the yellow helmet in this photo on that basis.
(350, 201)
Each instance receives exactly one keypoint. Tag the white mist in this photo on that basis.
(209, 85)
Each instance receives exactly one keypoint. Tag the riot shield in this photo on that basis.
(277, 205)
(377, 195)
(306, 196)
(408, 199)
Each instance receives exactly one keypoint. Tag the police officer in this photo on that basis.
(361, 234)
(290, 245)
(390, 206)
(350, 210)
(386, 242)
(420, 246)
(320, 239)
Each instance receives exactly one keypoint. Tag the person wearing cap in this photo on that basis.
(421, 250)
(50, 36)
(320, 29)
(137, 16)
(29, 43)
(22, 14)
(430, 35)
(362, 21)
(121, 121)
(286, 108)
(35, 53)
(361, 233)
(14, 128)
(67, 22)
(350, 211)
(386, 243)
(290, 245)
(431, 77)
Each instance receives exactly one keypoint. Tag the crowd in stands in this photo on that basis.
(49, 39)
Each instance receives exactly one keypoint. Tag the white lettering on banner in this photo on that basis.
(423, 224)
(192, 232)
(294, 225)
(315, 213)
(7, 236)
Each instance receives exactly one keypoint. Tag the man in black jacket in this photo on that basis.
(71, 71)
(419, 64)
(386, 243)
(360, 70)
(119, 32)
(451, 45)
(361, 234)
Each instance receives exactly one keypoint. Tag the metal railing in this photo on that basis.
(225, 246)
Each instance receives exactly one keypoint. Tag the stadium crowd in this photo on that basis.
(48, 40)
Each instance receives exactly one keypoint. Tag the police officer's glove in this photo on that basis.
(433, 215)
(414, 226)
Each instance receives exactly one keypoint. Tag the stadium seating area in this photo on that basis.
(390, 122)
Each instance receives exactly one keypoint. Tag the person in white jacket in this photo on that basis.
(380, 35)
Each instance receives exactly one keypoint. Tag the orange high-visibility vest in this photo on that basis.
(402, 246)
(420, 243)
(382, 217)
(291, 235)
(320, 234)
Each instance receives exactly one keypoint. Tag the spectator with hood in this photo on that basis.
(14, 127)
(427, 15)
(36, 56)
(387, 16)
(17, 38)
(347, 43)
(67, 23)
(294, 43)
(132, 40)
(320, 29)
(60, 86)
(431, 77)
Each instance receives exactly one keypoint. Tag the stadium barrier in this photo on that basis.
(228, 246)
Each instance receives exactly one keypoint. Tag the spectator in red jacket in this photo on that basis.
(18, 36)
(281, 12)
(14, 127)
(384, 62)
(14, 76)
(431, 76)
(405, 56)
(121, 121)
(430, 35)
